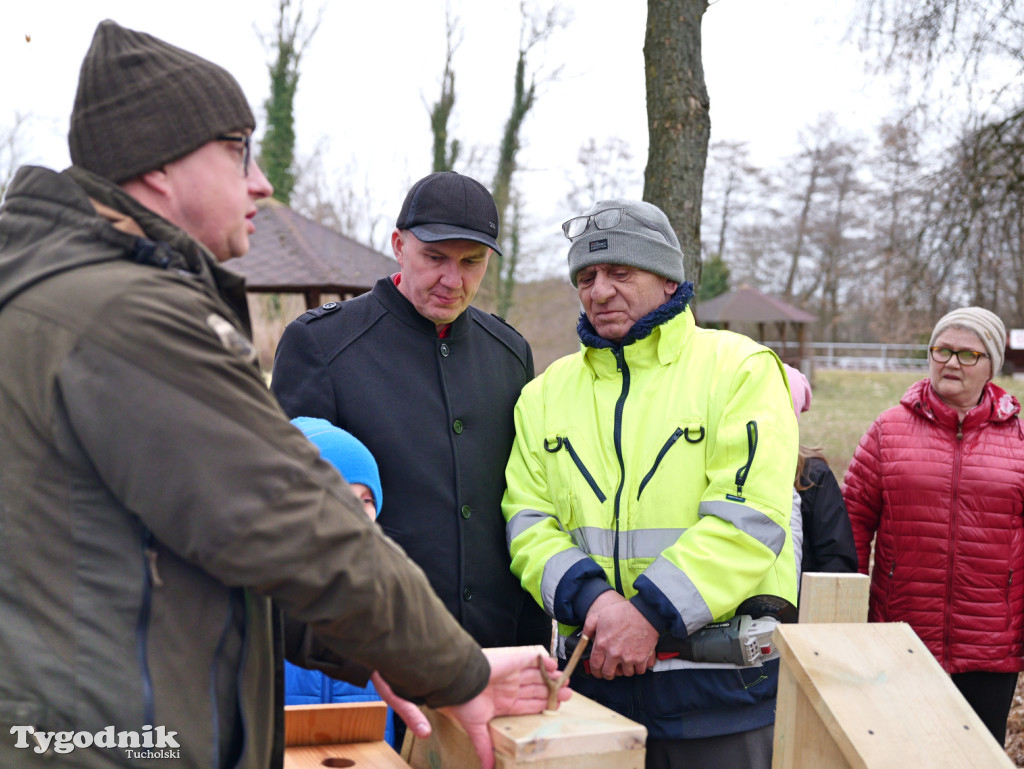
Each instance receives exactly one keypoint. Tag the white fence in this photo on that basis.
(861, 356)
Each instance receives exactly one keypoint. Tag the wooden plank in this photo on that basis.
(877, 697)
(334, 723)
(360, 755)
(447, 747)
(581, 734)
(620, 759)
(580, 727)
(834, 597)
(801, 740)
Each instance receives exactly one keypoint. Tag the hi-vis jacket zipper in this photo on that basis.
(561, 441)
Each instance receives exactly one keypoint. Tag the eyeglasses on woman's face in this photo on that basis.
(966, 357)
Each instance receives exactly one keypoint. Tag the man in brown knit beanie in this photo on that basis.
(154, 499)
(162, 123)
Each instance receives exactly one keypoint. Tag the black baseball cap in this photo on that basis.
(449, 206)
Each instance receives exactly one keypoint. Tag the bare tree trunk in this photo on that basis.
(802, 223)
(725, 221)
(286, 46)
(536, 29)
(503, 265)
(11, 153)
(678, 122)
(446, 151)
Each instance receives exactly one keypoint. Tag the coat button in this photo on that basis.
(467, 594)
(457, 426)
(466, 511)
(444, 350)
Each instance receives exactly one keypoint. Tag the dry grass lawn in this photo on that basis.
(845, 403)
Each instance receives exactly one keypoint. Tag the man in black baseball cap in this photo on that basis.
(449, 206)
(443, 237)
(429, 383)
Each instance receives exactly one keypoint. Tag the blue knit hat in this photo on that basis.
(345, 452)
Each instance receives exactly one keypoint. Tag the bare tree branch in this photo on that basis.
(12, 154)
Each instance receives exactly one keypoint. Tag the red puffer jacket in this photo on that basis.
(946, 500)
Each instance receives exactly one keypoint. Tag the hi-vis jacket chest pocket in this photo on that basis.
(677, 453)
(574, 470)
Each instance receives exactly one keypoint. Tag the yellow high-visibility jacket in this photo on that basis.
(662, 469)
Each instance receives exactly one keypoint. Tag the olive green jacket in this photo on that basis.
(154, 500)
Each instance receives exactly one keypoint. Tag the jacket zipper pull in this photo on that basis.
(154, 575)
(960, 430)
(741, 474)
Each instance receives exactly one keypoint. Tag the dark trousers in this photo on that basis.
(991, 695)
(746, 750)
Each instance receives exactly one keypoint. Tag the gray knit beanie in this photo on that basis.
(985, 324)
(642, 238)
(142, 103)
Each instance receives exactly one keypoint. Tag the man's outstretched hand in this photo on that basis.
(407, 711)
(516, 687)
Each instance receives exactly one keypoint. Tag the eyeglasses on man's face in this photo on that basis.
(966, 357)
(246, 142)
(603, 220)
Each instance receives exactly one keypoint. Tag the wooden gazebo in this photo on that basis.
(748, 306)
(290, 253)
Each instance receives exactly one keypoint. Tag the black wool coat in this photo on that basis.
(436, 413)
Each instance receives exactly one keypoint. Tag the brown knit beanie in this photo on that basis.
(142, 103)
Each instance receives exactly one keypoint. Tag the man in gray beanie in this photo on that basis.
(155, 500)
(650, 493)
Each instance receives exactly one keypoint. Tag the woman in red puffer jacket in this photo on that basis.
(940, 480)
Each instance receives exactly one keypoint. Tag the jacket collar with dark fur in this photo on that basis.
(676, 304)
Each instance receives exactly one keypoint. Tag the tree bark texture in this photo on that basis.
(678, 122)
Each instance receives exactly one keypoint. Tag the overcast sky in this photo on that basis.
(772, 67)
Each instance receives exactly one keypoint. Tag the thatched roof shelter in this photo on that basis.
(748, 306)
(292, 254)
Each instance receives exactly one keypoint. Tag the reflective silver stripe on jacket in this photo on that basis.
(681, 593)
(635, 543)
(749, 521)
(594, 540)
(650, 543)
(554, 570)
(522, 521)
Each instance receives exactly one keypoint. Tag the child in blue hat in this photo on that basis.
(355, 462)
(352, 459)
